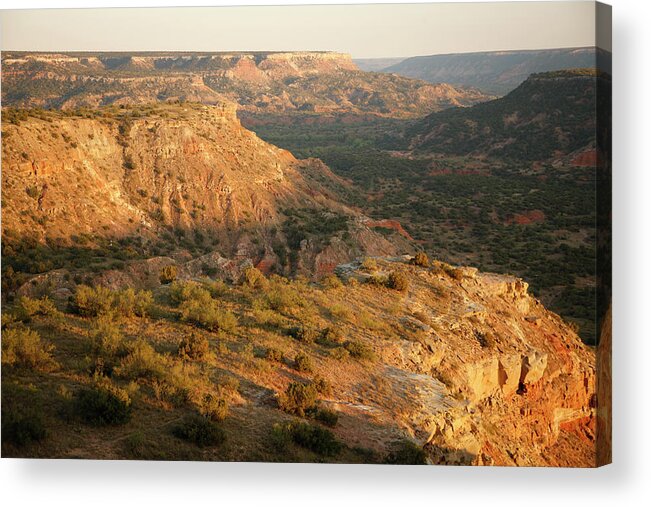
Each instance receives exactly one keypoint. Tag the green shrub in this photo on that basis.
(184, 291)
(303, 363)
(283, 297)
(178, 382)
(327, 417)
(303, 333)
(280, 438)
(359, 350)
(253, 278)
(23, 347)
(322, 386)
(298, 398)
(331, 336)
(142, 361)
(274, 355)
(331, 282)
(106, 337)
(198, 306)
(137, 447)
(315, 438)
(420, 259)
(168, 274)
(193, 346)
(407, 453)
(216, 288)
(124, 302)
(129, 302)
(20, 429)
(103, 404)
(208, 315)
(26, 308)
(267, 317)
(199, 431)
(213, 407)
(93, 301)
(340, 353)
(397, 281)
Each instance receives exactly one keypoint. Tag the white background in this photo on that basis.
(626, 482)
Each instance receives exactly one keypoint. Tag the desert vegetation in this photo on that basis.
(189, 351)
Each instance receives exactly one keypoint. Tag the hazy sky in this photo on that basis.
(362, 30)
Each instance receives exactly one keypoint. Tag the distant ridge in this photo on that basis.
(497, 72)
(302, 82)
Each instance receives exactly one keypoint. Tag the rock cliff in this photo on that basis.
(295, 82)
(156, 172)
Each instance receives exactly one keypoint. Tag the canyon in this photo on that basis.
(308, 83)
(162, 255)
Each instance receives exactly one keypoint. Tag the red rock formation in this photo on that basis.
(390, 224)
(526, 218)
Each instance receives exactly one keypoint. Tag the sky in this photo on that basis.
(365, 31)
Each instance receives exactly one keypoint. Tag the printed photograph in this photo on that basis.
(370, 234)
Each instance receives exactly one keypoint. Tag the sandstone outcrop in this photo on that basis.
(159, 174)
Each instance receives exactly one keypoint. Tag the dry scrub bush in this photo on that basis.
(168, 274)
(407, 453)
(20, 429)
(339, 353)
(274, 355)
(106, 338)
(322, 386)
(253, 278)
(303, 333)
(22, 347)
(303, 363)
(369, 265)
(331, 282)
(267, 317)
(103, 404)
(312, 437)
(193, 346)
(360, 350)
(198, 307)
(94, 301)
(199, 431)
(397, 281)
(142, 361)
(420, 259)
(327, 417)
(298, 398)
(213, 407)
(282, 296)
(26, 308)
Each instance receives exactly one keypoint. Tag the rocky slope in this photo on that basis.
(496, 72)
(303, 82)
(551, 115)
(466, 366)
(190, 171)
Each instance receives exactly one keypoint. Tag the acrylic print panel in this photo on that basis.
(346, 234)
